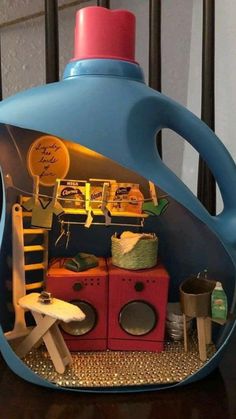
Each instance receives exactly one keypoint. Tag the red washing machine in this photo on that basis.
(89, 291)
(137, 308)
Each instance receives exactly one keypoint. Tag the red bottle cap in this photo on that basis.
(104, 33)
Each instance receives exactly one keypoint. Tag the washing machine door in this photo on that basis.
(80, 328)
(138, 318)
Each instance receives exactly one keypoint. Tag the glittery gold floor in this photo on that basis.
(121, 368)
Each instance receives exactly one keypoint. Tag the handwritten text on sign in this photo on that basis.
(49, 159)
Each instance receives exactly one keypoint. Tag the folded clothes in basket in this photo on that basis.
(81, 262)
(128, 240)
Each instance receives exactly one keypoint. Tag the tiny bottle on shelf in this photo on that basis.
(135, 200)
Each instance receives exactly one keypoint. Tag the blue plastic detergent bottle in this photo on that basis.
(104, 104)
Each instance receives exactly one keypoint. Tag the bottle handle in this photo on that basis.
(162, 112)
(210, 148)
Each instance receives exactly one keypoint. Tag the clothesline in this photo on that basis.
(10, 184)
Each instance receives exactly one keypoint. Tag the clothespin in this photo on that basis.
(153, 193)
(104, 209)
(35, 187)
(9, 181)
(88, 208)
(55, 190)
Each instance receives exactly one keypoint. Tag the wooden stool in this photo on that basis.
(195, 300)
(47, 318)
(203, 334)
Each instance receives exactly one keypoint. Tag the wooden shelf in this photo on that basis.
(79, 211)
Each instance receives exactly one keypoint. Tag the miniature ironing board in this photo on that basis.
(48, 317)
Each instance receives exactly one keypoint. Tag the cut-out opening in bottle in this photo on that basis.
(185, 247)
(182, 159)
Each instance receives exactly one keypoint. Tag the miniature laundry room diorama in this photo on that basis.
(114, 276)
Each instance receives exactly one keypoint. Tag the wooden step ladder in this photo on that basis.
(19, 267)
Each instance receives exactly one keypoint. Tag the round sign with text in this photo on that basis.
(48, 158)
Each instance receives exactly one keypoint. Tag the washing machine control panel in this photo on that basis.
(139, 286)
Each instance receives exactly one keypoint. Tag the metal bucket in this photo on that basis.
(174, 322)
(195, 296)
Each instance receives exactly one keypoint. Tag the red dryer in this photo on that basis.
(137, 308)
(89, 291)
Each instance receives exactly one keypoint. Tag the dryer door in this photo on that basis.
(138, 318)
(85, 326)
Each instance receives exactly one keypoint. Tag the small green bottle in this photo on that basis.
(219, 306)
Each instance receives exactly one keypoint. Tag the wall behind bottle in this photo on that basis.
(23, 62)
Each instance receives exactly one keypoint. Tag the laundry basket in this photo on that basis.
(142, 256)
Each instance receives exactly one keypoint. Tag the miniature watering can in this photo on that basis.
(103, 103)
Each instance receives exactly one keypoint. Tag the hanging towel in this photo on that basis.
(81, 262)
(151, 209)
(42, 211)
